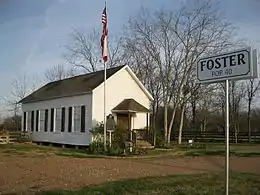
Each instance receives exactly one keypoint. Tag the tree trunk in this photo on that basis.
(153, 124)
(249, 120)
(171, 124)
(236, 133)
(165, 123)
(203, 128)
(181, 124)
(193, 105)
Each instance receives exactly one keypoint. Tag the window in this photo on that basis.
(63, 119)
(46, 120)
(37, 121)
(24, 121)
(57, 125)
(70, 119)
(52, 119)
(32, 121)
(28, 121)
(82, 118)
(42, 120)
(76, 117)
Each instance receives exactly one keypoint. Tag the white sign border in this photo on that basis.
(252, 67)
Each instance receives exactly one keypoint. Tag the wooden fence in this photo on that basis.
(10, 137)
(217, 136)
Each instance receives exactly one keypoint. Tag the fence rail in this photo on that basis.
(218, 137)
(10, 137)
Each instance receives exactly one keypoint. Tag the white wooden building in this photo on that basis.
(65, 111)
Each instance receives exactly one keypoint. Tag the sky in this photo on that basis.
(33, 33)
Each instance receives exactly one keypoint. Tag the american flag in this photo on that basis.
(104, 35)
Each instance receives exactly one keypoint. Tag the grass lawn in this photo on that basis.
(32, 149)
(202, 184)
(209, 149)
(242, 150)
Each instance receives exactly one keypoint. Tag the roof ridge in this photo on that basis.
(86, 74)
(78, 84)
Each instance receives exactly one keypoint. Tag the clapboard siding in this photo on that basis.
(119, 87)
(75, 137)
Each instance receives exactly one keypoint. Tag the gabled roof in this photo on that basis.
(71, 86)
(130, 105)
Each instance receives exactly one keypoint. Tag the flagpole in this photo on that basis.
(105, 118)
(104, 56)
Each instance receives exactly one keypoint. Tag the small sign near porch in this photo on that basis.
(111, 125)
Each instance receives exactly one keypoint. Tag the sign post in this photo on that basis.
(236, 65)
(227, 136)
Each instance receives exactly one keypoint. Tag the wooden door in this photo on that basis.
(123, 120)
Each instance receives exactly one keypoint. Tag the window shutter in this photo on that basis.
(42, 120)
(58, 119)
(29, 121)
(77, 118)
(86, 119)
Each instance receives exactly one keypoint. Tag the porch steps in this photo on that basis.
(143, 144)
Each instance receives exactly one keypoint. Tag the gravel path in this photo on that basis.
(30, 174)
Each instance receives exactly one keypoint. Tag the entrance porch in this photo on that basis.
(134, 117)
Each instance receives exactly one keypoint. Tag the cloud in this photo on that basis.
(40, 38)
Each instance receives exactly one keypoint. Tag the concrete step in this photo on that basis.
(143, 144)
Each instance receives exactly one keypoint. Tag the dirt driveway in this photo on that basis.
(29, 174)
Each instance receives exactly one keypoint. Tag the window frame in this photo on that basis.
(37, 115)
(82, 119)
(24, 121)
(52, 121)
(70, 119)
(32, 120)
(63, 119)
(46, 120)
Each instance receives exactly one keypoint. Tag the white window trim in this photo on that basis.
(84, 118)
(39, 120)
(72, 120)
(26, 114)
(54, 119)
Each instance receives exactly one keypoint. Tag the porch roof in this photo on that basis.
(130, 105)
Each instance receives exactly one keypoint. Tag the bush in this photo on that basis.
(140, 151)
(120, 141)
(160, 142)
(115, 151)
(96, 147)
(120, 137)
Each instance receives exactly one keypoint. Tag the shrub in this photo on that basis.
(120, 137)
(120, 141)
(114, 151)
(96, 147)
(160, 142)
(140, 151)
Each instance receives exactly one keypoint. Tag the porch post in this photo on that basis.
(129, 126)
(147, 121)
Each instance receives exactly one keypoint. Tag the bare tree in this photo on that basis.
(84, 51)
(174, 41)
(58, 72)
(153, 38)
(252, 86)
(20, 88)
(144, 66)
(237, 93)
